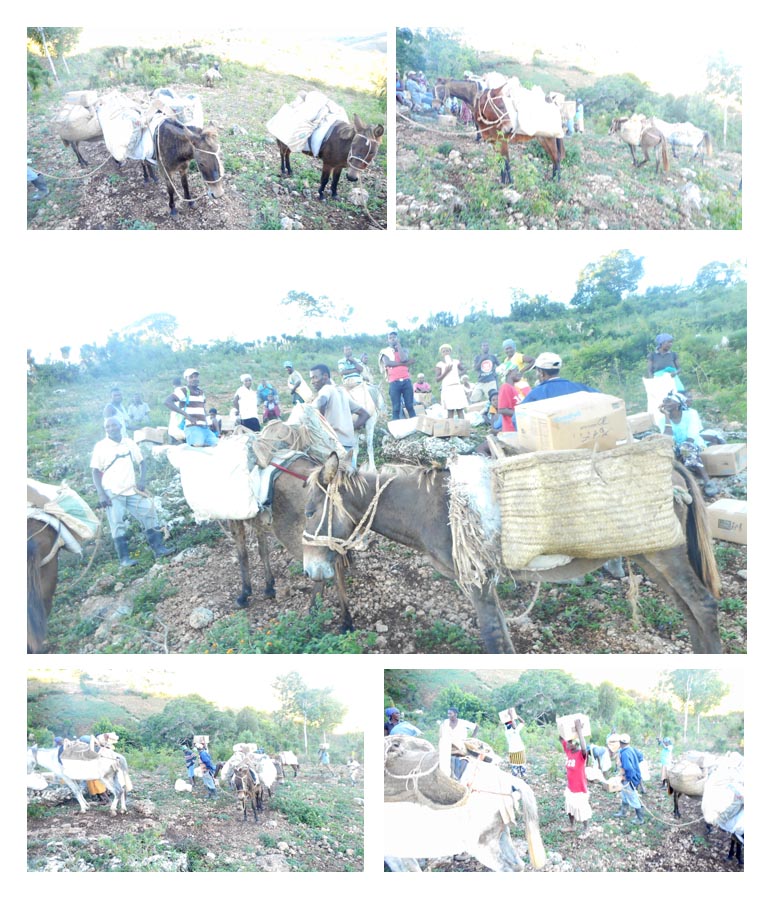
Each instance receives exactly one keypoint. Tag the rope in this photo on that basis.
(435, 131)
(107, 159)
(357, 538)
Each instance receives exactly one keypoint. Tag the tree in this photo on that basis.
(606, 282)
(724, 82)
(307, 707)
(54, 42)
(545, 694)
(309, 305)
(698, 691)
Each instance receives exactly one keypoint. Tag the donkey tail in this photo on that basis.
(537, 852)
(698, 537)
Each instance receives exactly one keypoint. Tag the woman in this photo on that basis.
(449, 373)
(683, 425)
(663, 361)
(517, 752)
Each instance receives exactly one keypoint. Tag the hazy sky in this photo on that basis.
(226, 680)
(236, 282)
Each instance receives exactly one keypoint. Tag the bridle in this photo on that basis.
(490, 107)
(359, 538)
(355, 159)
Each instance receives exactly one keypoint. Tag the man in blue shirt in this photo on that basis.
(629, 759)
(550, 384)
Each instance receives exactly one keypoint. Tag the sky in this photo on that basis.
(227, 681)
(236, 287)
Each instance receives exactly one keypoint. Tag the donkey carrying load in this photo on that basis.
(427, 814)
(319, 127)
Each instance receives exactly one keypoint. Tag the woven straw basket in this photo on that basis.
(589, 505)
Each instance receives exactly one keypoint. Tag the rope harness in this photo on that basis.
(160, 162)
(358, 539)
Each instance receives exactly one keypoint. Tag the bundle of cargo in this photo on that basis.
(587, 504)
(566, 726)
(728, 520)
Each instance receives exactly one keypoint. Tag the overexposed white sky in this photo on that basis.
(236, 282)
(225, 680)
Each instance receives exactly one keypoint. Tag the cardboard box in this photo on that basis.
(571, 422)
(426, 424)
(614, 784)
(509, 438)
(724, 459)
(156, 436)
(640, 422)
(419, 409)
(423, 397)
(447, 120)
(566, 725)
(728, 520)
(451, 428)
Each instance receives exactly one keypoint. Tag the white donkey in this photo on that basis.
(109, 767)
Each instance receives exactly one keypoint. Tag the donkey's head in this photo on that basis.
(364, 147)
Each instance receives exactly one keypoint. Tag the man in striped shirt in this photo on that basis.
(191, 403)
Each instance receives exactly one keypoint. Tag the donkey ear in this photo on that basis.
(329, 469)
(378, 131)
(359, 125)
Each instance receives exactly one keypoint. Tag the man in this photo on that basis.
(116, 409)
(295, 383)
(245, 403)
(513, 358)
(120, 492)
(138, 412)
(549, 383)
(485, 366)
(512, 392)
(629, 760)
(451, 743)
(336, 407)
(395, 360)
(208, 770)
(393, 718)
(576, 794)
(350, 369)
(190, 402)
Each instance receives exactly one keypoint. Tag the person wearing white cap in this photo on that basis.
(550, 383)
(246, 404)
(632, 779)
(190, 402)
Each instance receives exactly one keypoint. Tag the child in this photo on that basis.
(517, 753)
(214, 421)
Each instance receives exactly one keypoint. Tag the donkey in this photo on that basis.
(345, 145)
(174, 146)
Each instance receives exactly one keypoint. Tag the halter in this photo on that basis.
(358, 539)
(361, 163)
(160, 162)
(489, 103)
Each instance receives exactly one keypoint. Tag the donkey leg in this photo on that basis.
(237, 529)
(186, 191)
(263, 550)
(671, 570)
(341, 589)
(335, 183)
(491, 621)
(326, 174)
(171, 193)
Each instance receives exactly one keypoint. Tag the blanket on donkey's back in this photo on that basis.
(304, 123)
(225, 481)
(56, 504)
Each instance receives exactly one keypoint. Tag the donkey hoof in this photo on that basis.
(243, 600)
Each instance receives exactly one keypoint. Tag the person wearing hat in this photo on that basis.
(514, 359)
(394, 360)
(665, 756)
(629, 760)
(550, 383)
(300, 392)
(398, 726)
(448, 371)
(576, 794)
(451, 743)
(245, 403)
(517, 751)
(122, 493)
(421, 385)
(683, 424)
(663, 361)
(190, 402)
(393, 718)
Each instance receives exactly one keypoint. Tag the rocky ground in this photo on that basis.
(445, 179)
(394, 594)
(173, 832)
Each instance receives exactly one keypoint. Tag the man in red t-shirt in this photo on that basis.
(576, 795)
(396, 361)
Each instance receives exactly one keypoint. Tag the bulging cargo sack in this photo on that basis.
(66, 505)
(586, 504)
